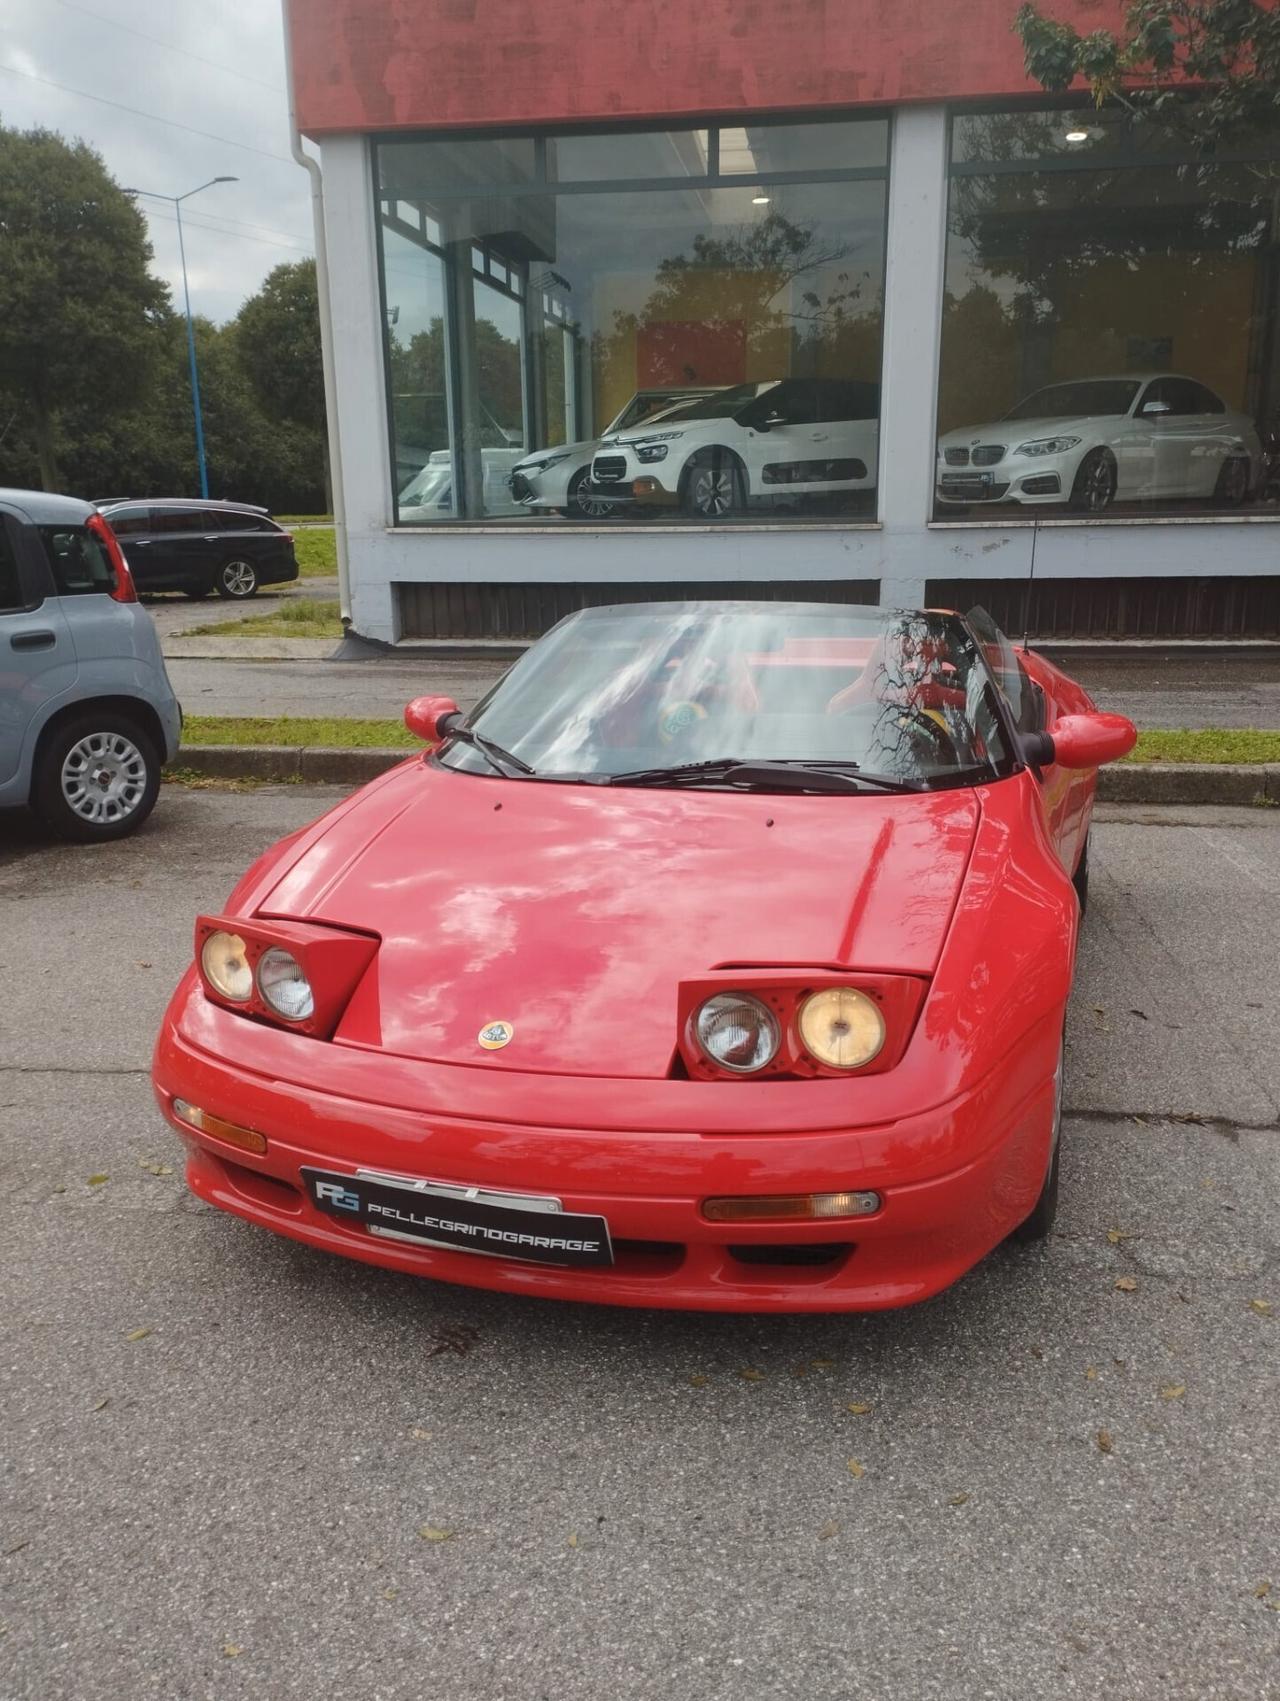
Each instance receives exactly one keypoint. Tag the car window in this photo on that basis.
(79, 562)
(1183, 396)
(849, 400)
(176, 520)
(128, 522)
(1020, 691)
(1205, 400)
(798, 401)
(1086, 397)
(11, 596)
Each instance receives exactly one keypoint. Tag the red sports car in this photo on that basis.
(718, 959)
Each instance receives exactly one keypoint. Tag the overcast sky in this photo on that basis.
(209, 65)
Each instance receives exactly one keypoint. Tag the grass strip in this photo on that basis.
(317, 553)
(1218, 746)
(298, 617)
(326, 732)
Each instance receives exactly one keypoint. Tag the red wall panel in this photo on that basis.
(404, 64)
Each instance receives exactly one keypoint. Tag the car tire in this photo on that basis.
(98, 778)
(1080, 879)
(583, 506)
(1039, 1224)
(1094, 486)
(1232, 487)
(714, 486)
(236, 579)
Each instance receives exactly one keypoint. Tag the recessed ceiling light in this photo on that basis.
(760, 199)
(1076, 136)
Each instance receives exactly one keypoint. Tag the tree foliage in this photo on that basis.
(1228, 49)
(95, 394)
(78, 306)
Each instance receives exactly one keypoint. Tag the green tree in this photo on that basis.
(78, 307)
(1228, 49)
(277, 333)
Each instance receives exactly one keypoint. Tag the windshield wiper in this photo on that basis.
(783, 774)
(500, 760)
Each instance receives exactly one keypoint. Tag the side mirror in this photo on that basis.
(1080, 741)
(1153, 410)
(427, 717)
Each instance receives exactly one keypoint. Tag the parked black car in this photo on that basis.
(198, 547)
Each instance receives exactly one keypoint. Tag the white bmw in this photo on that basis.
(1094, 441)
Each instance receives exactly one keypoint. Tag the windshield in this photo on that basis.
(614, 691)
(429, 487)
(726, 403)
(1090, 396)
(649, 403)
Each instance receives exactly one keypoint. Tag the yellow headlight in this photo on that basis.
(842, 1027)
(226, 967)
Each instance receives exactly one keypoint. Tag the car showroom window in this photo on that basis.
(560, 311)
(1110, 335)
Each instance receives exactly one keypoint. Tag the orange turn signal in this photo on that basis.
(791, 1207)
(248, 1139)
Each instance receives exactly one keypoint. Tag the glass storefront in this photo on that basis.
(635, 328)
(1110, 336)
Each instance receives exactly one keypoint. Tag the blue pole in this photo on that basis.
(191, 353)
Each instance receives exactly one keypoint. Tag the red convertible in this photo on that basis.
(718, 959)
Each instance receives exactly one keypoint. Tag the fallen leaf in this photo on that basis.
(698, 1380)
(751, 1374)
(958, 1499)
(230, 1650)
(1173, 1390)
(1119, 1363)
(859, 1408)
(1037, 1352)
(154, 1168)
(433, 1533)
(1115, 1237)
(1141, 1013)
(1127, 1284)
(573, 1538)
(798, 1370)
(822, 1363)
(101, 1405)
(137, 1334)
(59, 1189)
(456, 1338)
(144, 965)
(1091, 1372)
(1261, 1306)
(17, 1546)
(1104, 1440)
(1098, 1010)
(856, 1470)
(1261, 1590)
(1193, 1116)
(390, 1594)
(97, 1180)
(829, 1529)
(1141, 1121)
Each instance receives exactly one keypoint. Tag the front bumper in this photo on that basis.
(1023, 479)
(989, 1148)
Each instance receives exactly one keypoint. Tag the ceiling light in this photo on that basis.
(760, 199)
(1075, 137)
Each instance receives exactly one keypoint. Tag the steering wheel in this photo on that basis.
(942, 749)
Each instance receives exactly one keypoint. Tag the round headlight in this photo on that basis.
(284, 986)
(738, 1032)
(842, 1027)
(225, 966)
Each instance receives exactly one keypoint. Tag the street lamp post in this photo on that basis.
(177, 201)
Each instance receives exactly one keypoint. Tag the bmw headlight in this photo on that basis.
(226, 967)
(738, 1032)
(1047, 446)
(284, 986)
(842, 1027)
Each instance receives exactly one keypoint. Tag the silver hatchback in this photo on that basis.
(87, 714)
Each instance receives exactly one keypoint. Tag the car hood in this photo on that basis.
(1015, 431)
(585, 450)
(573, 912)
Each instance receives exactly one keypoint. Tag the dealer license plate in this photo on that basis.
(473, 1219)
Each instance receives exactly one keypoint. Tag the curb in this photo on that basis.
(1128, 782)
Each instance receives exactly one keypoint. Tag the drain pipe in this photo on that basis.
(312, 168)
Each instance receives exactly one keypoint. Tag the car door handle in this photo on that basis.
(209, 537)
(42, 640)
(820, 436)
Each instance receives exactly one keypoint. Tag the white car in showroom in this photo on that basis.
(559, 478)
(756, 443)
(1090, 442)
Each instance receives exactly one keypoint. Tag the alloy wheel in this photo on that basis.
(104, 778)
(238, 579)
(1097, 487)
(712, 491)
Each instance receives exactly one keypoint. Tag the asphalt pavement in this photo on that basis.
(220, 1449)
